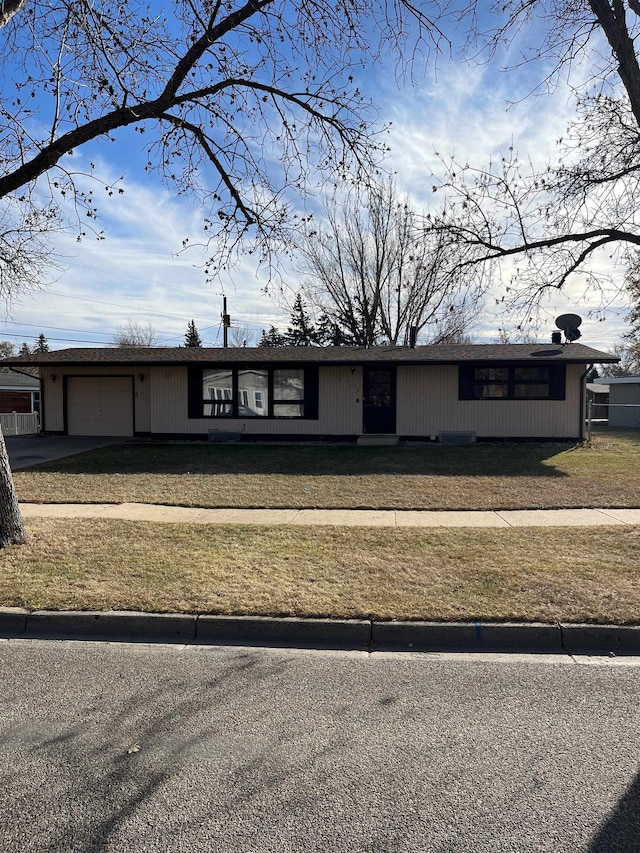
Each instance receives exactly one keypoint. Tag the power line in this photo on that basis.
(56, 328)
(146, 311)
(116, 305)
(63, 340)
(67, 262)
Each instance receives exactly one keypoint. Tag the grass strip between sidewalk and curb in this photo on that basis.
(589, 575)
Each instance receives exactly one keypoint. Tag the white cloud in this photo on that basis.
(139, 272)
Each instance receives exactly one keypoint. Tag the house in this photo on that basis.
(486, 391)
(624, 400)
(19, 392)
(598, 397)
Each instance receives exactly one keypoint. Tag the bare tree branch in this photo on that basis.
(259, 92)
(375, 274)
(555, 220)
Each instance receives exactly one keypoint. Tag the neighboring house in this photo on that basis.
(19, 393)
(624, 400)
(490, 391)
(598, 396)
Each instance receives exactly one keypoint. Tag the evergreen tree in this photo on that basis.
(301, 332)
(330, 334)
(192, 336)
(42, 344)
(272, 338)
(24, 349)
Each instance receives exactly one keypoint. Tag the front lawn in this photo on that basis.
(548, 575)
(483, 476)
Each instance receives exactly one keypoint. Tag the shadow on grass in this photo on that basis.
(501, 459)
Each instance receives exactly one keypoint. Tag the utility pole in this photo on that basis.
(226, 323)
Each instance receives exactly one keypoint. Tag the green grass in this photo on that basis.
(483, 476)
(571, 575)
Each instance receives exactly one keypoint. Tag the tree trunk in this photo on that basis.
(12, 530)
(8, 8)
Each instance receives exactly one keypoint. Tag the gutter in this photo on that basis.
(25, 373)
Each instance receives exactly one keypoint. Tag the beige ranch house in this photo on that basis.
(486, 391)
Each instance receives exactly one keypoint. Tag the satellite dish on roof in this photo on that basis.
(569, 324)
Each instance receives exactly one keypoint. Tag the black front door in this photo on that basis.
(379, 400)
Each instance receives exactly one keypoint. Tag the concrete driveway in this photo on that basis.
(27, 450)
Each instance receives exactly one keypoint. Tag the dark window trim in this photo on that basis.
(467, 382)
(309, 402)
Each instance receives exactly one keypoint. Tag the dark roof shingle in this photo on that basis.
(435, 354)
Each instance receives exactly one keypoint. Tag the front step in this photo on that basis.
(378, 440)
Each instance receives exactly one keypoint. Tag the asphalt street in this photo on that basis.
(124, 747)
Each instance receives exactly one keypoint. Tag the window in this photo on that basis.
(491, 382)
(512, 382)
(217, 385)
(288, 393)
(253, 392)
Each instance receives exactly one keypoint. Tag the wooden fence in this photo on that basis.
(15, 423)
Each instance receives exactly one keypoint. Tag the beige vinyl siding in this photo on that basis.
(54, 396)
(624, 394)
(427, 404)
(339, 407)
(427, 400)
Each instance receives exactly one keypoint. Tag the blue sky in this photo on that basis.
(139, 273)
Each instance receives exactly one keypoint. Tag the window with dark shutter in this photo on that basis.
(512, 382)
(253, 392)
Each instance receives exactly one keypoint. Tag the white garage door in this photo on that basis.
(99, 405)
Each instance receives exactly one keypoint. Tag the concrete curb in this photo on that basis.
(13, 621)
(325, 633)
(121, 625)
(467, 637)
(593, 639)
(355, 634)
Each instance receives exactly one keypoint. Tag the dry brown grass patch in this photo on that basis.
(483, 476)
(568, 574)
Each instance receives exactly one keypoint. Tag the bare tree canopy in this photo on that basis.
(633, 290)
(553, 220)
(243, 104)
(374, 273)
(134, 334)
(628, 351)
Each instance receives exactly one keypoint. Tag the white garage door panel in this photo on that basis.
(99, 405)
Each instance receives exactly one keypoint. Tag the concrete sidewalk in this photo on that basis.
(340, 517)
